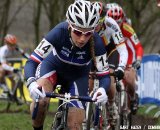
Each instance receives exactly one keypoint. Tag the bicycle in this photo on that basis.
(122, 101)
(60, 118)
(11, 95)
(127, 108)
(97, 117)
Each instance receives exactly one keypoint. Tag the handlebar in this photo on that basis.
(65, 96)
(69, 97)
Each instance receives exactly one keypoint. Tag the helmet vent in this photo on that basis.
(79, 20)
(79, 6)
(86, 13)
(92, 21)
(70, 18)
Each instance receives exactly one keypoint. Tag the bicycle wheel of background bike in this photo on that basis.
(21, 91)
(126, 116)
(126, 120)
(96, 119)
(90, 116)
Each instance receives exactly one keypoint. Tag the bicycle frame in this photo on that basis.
(122, 103)
(95, 114)
(63, 108)
(12, 91)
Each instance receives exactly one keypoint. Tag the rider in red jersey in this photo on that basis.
(134, 47)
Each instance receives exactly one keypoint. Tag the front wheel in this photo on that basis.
(126, 119)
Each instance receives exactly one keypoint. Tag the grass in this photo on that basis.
(18, 118)
(142, 109)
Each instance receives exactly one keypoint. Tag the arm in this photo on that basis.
(25, 55)
(119, 41)
(102, 71)
(41, 52)
(133, 40)
(3, 60)
(129, 32)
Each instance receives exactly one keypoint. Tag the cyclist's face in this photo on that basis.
(80, 36)
(11, 47)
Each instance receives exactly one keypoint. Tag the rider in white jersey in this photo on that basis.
(9, 50)
(114, 41)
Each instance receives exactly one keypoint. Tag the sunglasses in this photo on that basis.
(80, 33)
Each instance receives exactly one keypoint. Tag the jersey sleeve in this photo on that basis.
(101, 63)
(42, 51)
(118, 39)
(2, 55)
(116, 33)
(129, 32)
(101, 57)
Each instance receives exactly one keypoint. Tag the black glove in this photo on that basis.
(137, 64)
(119, 73)
(15, 70)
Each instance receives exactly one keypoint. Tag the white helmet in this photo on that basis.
(100, 8)
(82, 14)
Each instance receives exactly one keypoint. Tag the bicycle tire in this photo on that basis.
(102, 122)
(21, 91)
(126, 116)
(60, 119)
(90, 116)
(56, 121)
(56, 125)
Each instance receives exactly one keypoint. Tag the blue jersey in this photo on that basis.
(58, 49)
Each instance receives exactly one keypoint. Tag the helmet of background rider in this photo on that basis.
(100, 7)
(82, 14)
(158, 3)
(114, 11)
(10, 39)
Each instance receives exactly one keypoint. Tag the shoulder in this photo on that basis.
(3, 51)
(62, 25)
(112, 24)
(57, 32)
(99, 45)
(127, 28)
(4, 48)
(97, 39)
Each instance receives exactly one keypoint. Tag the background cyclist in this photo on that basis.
(113, 39)
(134, 47)
(9, 50)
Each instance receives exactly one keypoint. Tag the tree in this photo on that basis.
(6, 20)
(55, 10)
(36, 17)
(5, 6)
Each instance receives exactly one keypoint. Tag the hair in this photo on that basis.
(92, 52)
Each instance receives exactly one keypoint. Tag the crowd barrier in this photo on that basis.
(149, 79)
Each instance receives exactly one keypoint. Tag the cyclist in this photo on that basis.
(158, 3)
(112, 37)
(65, 57)
(9, 50)
(135, 51)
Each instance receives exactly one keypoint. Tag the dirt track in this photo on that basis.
(144, 122)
